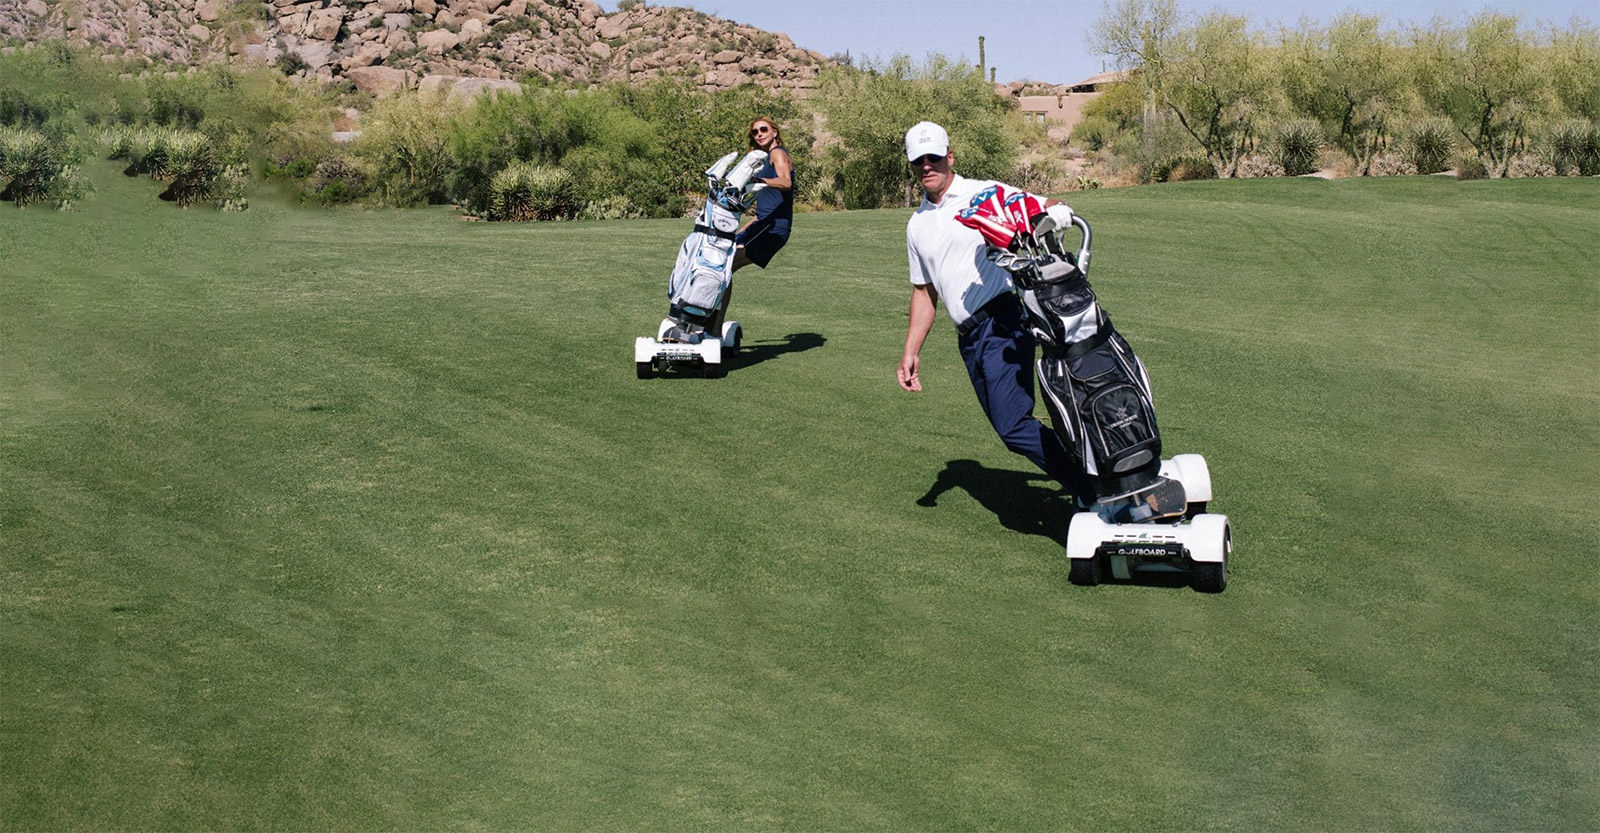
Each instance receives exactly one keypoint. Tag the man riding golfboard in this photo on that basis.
(947, 260)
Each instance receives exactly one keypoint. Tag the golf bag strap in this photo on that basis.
(725, 235)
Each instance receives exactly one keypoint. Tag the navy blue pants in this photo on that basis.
(999, 356)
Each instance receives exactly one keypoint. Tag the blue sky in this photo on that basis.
(1045, 40)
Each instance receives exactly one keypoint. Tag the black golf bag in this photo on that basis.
(1095, 387)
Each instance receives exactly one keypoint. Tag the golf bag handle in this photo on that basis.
(1083, 248)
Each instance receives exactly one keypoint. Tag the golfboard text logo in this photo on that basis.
(1142, 551)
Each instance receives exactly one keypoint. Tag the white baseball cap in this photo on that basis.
(924, 138)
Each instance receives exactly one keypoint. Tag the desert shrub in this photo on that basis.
(1039, 175)
(614, 140)
(869, 110)
(288, 169)
(405, 148)
(1470, 166)
(147, 150)
(335, 181)
(1572, 148)
(37, 168)
(1093, 133)
(1256, 166)
(525, 191)
(1427, 144)
(290, 63)
(205, 168)
(680, 130)
(1294, 146)
(1527, 165)
(1389, 163)
(616, 207)
(1182, 167)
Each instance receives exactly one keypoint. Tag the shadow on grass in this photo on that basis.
(756, 352)
(1028, 503)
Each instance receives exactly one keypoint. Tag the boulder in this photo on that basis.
(206, 10)
(469, 87)
(367, 54)
(614, 26)
(425, 7)
(725, 78)
(437, 41)
(600, 50)
(381, 81)
(473, 30)
(727, 56)
(324, 24)
(396, 20)
(293, 24)
(315, 53)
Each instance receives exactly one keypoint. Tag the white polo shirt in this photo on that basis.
(950, 256)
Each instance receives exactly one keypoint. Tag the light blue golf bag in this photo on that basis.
(698, 291)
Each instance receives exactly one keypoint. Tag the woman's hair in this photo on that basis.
(777, 135)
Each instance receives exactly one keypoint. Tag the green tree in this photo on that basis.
(1574, 70)
(1350, 78)
(1213, 75)
(1486, 78)
(870, 108)
(405, 146)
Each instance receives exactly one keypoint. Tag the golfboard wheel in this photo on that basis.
(1212, 576)
(644, 369)
(1085, 572)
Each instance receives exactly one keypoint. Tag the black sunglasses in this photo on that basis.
(929, 159)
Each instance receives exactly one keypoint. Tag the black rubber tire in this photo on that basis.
(716, 371)
(1084, 572)
(1209, 576)
(644, 369)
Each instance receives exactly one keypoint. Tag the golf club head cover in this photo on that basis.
(986, 213)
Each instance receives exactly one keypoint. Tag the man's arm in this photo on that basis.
(924, 305)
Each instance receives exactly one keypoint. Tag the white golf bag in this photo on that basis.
(698, 290)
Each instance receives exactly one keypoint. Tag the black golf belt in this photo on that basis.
(994, 306)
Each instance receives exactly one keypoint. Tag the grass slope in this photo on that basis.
(359, 520)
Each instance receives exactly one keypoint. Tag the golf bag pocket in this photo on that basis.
(1063, 313)
(705, 264)
(1113, 395)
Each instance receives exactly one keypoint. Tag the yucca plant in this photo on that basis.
(195, 169)
(1573, 147)
(523, 191)
(1428, 144)
(37, 168)
(145, 149)
(1295, 145)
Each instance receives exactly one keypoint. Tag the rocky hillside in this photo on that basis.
(389, 44)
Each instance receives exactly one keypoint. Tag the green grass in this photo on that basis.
(359, 521)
